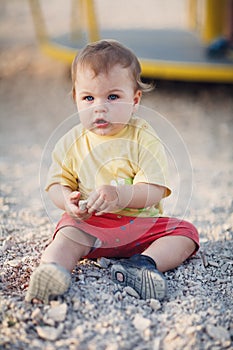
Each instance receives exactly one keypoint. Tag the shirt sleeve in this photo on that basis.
(61, 170)
(152, 160)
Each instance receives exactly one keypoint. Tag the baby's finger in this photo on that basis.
(96, 205)
(93, 197)
(75, 195)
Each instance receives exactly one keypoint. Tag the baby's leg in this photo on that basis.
(68, 247)
(169, 252)
(143, 271)
(52, 277)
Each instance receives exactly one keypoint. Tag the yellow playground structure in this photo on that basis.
(164, 53)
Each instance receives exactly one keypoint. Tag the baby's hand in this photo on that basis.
(73, 207)
(103, 200)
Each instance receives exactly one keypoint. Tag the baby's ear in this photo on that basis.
(74, 94)
(137, 98)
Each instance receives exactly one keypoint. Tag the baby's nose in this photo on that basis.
(100, 108)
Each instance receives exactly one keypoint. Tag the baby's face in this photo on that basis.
(105, 102)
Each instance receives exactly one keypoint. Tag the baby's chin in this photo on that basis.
(109, 131)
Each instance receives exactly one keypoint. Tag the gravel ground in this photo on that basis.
(95, 313)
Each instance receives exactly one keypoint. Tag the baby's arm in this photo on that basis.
(67, 199)
(110, 198)
(141, 195)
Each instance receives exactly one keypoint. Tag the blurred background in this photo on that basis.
(35, 91)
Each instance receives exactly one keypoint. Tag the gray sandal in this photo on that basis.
(140, 273)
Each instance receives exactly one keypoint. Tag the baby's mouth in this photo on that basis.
(101, 123)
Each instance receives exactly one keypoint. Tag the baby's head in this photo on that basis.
(106, 86)
(102, 56)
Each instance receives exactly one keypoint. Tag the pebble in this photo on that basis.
(14, 262)
(155, 304)
(219, 333)
(76, 304)
(132, 292)
(58, 313)
(50, 333)
(118, 295)
(156, 343)
(213, 263)
(36, 314)
(225, 266)
(112, 347)
(7, 245)
(82, 204)
(103, 262)
(141, 323)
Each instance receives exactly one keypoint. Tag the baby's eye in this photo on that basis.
(113, 97)
(88, 98)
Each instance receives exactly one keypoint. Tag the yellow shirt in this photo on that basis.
(84, 161)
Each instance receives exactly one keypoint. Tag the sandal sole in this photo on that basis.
(47, 280)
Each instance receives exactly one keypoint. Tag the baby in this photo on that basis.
(109, 175)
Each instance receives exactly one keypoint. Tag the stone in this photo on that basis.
(118, 295)
(218, 333)
(224, 267)
(76, 304)
(112, 346)
(213, 263)
(57, 313)
(14, 262)
(131, 292)
(50, 333)
(155, 304)
(141, 323)
(82, 204)
(7, 245)
(156, 343)
(103, 262)
(36, 314)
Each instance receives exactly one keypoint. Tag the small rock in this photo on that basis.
(36, 314)
(50, 333)
(58, 313)
(79, 331)
(141, 323)
(222, 280)
(171, 336)
(118, 295)
(146, 334)
(213, 263)
(82, 204)
(204, 259)
(7, 245)
(224, 267)
(95, 274)
(156, 343)
(48, 321)
(103, 262)
(112, 346)
(218, 333)
(14, 263)
(155, 304)
(131, 292)
(76, 304)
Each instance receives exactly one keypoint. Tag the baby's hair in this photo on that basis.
(102, 55)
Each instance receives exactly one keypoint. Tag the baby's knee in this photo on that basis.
(189, 231)
(74, 237)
